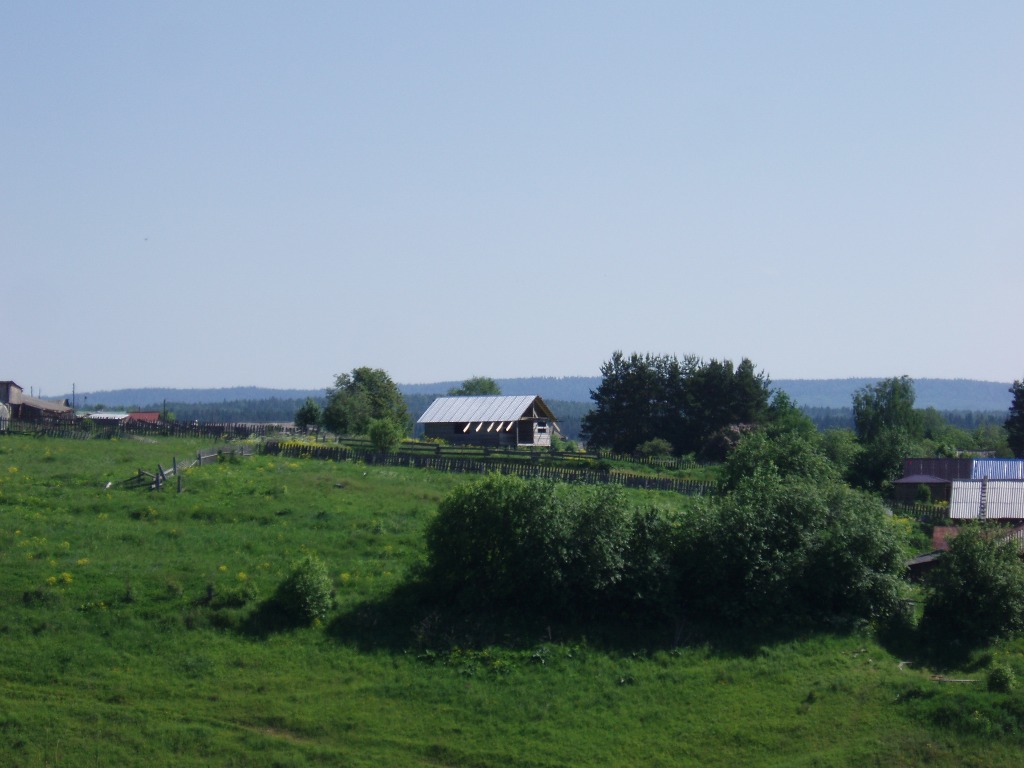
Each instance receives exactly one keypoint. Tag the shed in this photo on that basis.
(947, 469)
(30, 408)
(1003, 499)
(498, 420)
(108, 418)
(906, 488)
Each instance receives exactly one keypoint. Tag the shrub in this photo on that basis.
(533, 544)
(1001, 678)
(654, 448)
(306, 594)
(385, 434)
(792, 548)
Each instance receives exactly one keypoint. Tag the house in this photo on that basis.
(27, 408)
(498, 421)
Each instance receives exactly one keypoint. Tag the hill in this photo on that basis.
(941, 394)
(139, 629)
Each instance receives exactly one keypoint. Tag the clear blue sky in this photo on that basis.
(207, 194)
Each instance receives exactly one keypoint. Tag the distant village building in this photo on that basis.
(976, 489)
(498, 421)
(24, 407)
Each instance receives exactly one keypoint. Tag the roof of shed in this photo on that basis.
(921, 480)
(51, 406)
(445, 410)
(998, 469)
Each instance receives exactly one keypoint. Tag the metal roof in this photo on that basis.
(998, 469)
(1004, 500)
(107, 416)
(498, 408)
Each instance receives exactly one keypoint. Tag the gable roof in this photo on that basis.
(446, 410)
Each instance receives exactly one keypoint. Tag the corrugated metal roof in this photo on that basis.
(107, 416)
(998, 469)
(1004, 500)
(497, 408)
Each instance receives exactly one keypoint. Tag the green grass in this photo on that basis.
(130, 634)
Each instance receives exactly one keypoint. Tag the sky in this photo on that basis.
(214, 194)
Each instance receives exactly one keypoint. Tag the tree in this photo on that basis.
(309, 414)
(1015, 421)
(885, 421)
(976, 593)
(888, 404)
(477, 385)
(644, 397)
(358, 398)
(633, 402)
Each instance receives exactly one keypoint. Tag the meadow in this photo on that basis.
(133, 631)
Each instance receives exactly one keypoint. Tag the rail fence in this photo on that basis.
(155, 481)
(474, 466)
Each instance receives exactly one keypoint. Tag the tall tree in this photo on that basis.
(477, 385)
(885, 405)
(885, 421)
(644, 397)
(309, 414)
(638, 400)
(1015, 421)
(356, 399)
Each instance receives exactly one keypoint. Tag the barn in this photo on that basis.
(498, 421)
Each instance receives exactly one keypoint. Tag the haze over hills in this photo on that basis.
(942, 394)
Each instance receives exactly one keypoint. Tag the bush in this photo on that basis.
(385, 434)
(1001, 678)
(656, 448)
(307, 593)
(778, 549)
(533, 544)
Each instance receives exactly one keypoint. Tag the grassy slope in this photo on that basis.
(123, 659)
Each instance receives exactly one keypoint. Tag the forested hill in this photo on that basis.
(941, 394)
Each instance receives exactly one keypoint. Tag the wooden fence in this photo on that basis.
(928, 513)
(155, 481)
(478, 466)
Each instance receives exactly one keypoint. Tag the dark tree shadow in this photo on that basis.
(416, 616)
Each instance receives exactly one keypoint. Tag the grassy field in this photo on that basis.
(130, 634)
